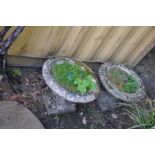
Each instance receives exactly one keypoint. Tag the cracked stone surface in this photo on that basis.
(16, 116)
(55, 104)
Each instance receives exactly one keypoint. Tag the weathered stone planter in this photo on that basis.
(55, 104)
(128, 97)
(61, 91)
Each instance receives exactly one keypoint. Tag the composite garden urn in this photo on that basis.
(122, 82)
(70, 79)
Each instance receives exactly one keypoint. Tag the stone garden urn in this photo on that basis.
(69, 90)
(122, 82)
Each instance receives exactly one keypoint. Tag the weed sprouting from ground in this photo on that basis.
(16, 72)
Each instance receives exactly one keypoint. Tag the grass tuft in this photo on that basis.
(142, 114)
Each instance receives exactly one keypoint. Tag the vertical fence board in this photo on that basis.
(142, 49)
(89, 47)
(131, 42)
(65, 49)
(112, 41)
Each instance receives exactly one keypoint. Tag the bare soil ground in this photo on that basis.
(86, 116)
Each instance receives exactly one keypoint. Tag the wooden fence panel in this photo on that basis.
(118, 44)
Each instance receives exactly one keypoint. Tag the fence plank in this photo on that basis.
(88, 48)
(130, 43)
(142, 49)
(65, 49)
(112, 41)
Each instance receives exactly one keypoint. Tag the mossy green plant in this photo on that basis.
(83, 85)
(74, 77)
(126, 83)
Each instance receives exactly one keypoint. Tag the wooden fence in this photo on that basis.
(118, 44)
